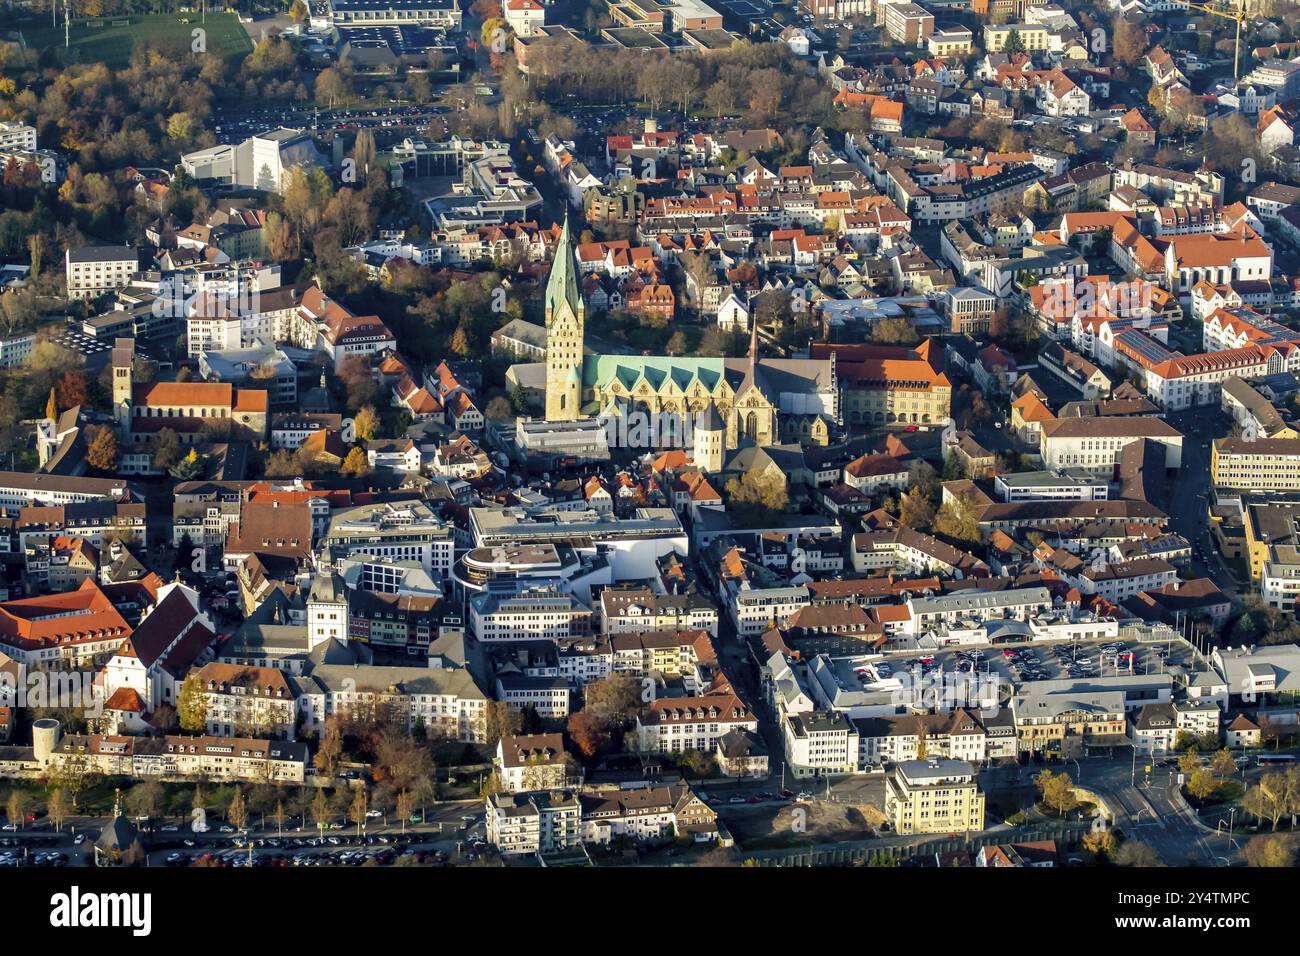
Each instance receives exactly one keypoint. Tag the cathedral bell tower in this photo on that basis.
(566, 317)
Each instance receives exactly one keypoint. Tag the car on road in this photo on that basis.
(735, 798)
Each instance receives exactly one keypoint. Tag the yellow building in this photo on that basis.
(934, 796)
(1261, 464)
(887, 384)
(956, 41)
(1033, 37)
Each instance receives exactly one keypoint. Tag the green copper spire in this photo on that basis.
(562, 286)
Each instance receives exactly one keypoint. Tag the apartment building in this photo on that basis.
(1117, 581)
(247, 701)
(820, 743)
(677, 724)
(16, 136)
(1254, 414)
(531, 762)
(934, 796)
(628, 609)
(507, 610)
(92, 271)
(533, 824)
(911, 551)
(1034, 37)
(1051, 721)
(1095, 444)
(1259, 464)
(444, 700)
(908, 24)
(754, 610)
(91, 520)
(948, 610)
(402, 530)
(217, 759)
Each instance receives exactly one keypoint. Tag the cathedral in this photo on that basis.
(759, 401)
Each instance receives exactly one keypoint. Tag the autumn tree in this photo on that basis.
(589, 732)
(145, 799)
(1270, 799)
(1202, 785)
(192, 705)
(502, 720)
(617, 696)
(16, 808)
(320, 809)
(405, 804)
(356, 463)
(281, 464)
(73, 389)
(102, 454)
(1135, 853)
(359, 808)
(358, 381)
(1128, 41)
(1223, 763)
(758, 490)
(1269, 851)
(165, 447)
(402, 761)
(365, 424)
(237, 812)
(894, 330)
(1057, 790)
(958, 519)
(56, 808)
(330, 751)
(916, 510)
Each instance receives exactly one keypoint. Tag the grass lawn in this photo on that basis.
(114, 39)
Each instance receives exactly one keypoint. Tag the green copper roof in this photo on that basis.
(562, 286)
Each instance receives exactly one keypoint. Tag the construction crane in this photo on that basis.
(1238, 16)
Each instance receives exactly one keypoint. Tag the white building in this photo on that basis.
(92, 271)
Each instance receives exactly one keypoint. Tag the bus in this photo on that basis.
(1264, 759)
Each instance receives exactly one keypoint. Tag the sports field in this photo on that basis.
(111, 40)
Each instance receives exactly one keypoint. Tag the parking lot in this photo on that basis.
(1042, 660)
(383, 850)
(234, 126)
